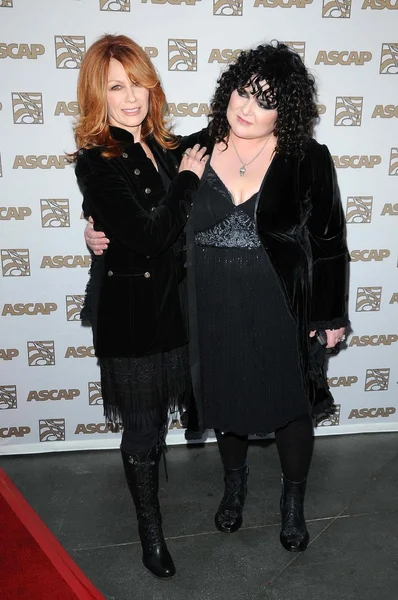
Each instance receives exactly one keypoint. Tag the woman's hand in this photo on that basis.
(334, 336)
(194, 160)
(95, 240)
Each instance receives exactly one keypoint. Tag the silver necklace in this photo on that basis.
(242, 170)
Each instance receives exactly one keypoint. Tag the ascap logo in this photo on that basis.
(69, 109)
(30, 51)
(183, 55)
(336, 9)
(54, 213)
(368, 255)
(377, 380)
(6, 3)
(79, 352)
(8, 353)
(52, 430)
(174, 2)
(282, 3)
(91, 428)
(41, 354)
(19, 213)
(385, 112)
(151, 51)
(27, 108)
(368, 299)
(298, 47)
(380, 4)
(115, 5)
(29, 309)
(359, 209)
(8, 397)
(331, 420)
(94, 393)
(394, 299)
(345, 381)
(348, 111)
(175, 422)
(15, 263)
(223, 56)
(390, 209)
(43, 395)
(228, 8)
(41, 162)
(356, 161)
(373, 340)
(184, 109)
(74, 305)
(372, 413)
(69, 51)
(343, 57)
(389, 59)
(69, 261)
(7, 432)
(321, 109)
(393, 166)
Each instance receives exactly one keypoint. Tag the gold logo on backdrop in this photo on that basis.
(368, 255)
(377, 380)
(183, 55)
(298, 47)
(69, 109)
(348, 111)
(331, 420)
(228, 8)
(281, 3)
(389, 59)
(359, 209)
(27, 108)
(80, 352)
(368, 299)
(8, 397)
(69, 51)
(385, 112)
(115, 5)
(373, 340)
(94, 393)
(393, 166)
(54, 213)
(336, 9)
(30, 308)
(380, 4)
(52, 430)
(390, 209)
(6, 3)
(10, 353)
(373, 413)
(19, 213)
(15, 263)
(41, 354)
(183, 109)
(223, 55)
(356, 161)
(74, 305)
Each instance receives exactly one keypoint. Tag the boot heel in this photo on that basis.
(294, 536)
(229, 516)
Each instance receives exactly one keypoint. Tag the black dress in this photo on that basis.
(251, 380)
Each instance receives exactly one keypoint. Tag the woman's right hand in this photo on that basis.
(95, 240)
(194, 160)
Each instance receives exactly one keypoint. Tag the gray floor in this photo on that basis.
(351, 508)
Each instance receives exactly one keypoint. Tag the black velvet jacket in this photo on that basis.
(133, 291)
(301, 225)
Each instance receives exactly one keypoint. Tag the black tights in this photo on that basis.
(294, 442)
(146, 431)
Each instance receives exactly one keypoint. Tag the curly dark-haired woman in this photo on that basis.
(267, 263)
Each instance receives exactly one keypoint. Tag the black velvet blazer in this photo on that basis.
(301, 224)
(133, 295)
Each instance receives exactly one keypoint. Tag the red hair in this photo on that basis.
(92, 127)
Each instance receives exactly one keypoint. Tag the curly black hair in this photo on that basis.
(291, 90)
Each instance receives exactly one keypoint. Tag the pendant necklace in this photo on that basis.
(242, 170)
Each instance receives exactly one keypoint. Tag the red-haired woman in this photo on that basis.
(140, 197)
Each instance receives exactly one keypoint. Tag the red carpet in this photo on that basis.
(33, 564)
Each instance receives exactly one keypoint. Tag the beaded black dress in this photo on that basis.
(250, 377)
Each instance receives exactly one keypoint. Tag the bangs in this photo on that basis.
(266, 93)
(138, 68)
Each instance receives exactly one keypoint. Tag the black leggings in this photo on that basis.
(294, 442)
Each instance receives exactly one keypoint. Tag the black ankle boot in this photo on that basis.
(294, 535)
(228, 518)
(142, 474)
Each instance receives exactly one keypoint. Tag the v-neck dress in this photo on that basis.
(248, 341)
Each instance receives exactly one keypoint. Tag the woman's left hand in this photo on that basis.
(334, 336)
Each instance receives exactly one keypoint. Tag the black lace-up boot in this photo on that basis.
(294, 535)
(142, 474)
(229, 515)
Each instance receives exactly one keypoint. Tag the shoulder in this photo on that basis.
(199, 137)
(317, 156)
(90, 160)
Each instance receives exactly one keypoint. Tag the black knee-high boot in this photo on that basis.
(142, 474)
(294, 535)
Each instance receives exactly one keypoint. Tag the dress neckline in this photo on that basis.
(229, 193)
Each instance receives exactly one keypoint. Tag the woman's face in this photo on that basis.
(248, 116)
(127, 103)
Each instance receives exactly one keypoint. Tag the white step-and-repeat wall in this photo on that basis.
(50, 396)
